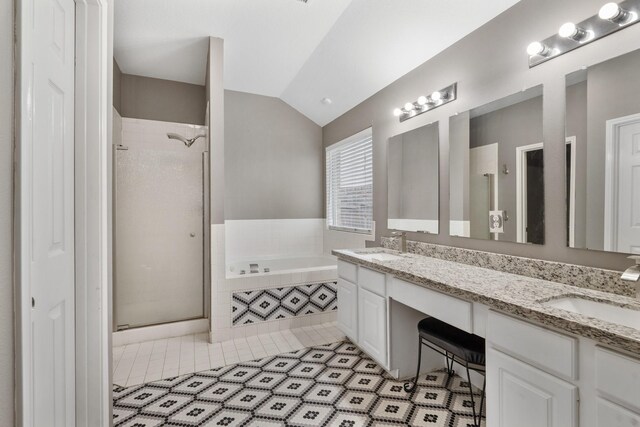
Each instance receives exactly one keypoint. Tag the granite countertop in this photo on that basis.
(517, 295)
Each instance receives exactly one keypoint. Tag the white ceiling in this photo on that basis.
(345, 50)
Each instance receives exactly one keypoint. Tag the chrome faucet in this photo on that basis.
(632, 273)
(403, 240)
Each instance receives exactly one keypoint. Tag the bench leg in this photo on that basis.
(477, 418)
(409, 387)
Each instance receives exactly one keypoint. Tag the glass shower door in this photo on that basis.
(158, 241)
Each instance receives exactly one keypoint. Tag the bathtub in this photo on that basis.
(282, 266)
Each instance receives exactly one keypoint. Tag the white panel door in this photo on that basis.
(51, 221)
(628, 211)
(348, 309)
(372, 325)
(523, 396)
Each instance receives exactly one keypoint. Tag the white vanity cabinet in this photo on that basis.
(618, 389)
(372, 325)
(362, 309)
(348, 308)
(527, 371)
(520, 395)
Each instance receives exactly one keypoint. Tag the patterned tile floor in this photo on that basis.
(140, 363)
(329, 385)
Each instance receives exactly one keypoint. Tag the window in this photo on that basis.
(349, 177)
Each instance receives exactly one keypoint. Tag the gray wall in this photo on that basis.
(613, 90)
(413, 174)
(117, 87)
(147, 98)
(511, 127)
(491, 63)
(273, 160)
(6, 213)
(577, 126)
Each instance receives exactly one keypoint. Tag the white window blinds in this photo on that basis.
(349, 177)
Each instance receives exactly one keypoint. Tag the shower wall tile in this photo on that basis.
(147, 134)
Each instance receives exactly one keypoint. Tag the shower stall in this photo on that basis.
(161, 239)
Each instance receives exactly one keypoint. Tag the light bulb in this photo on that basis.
(568, 30)
(422, 100)
(436, 96)
(614, 13)
(537, 48)
(575, 33)
(397, 112)
(409, 106)
(609, 11)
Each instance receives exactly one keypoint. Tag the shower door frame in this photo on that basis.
(206, 247)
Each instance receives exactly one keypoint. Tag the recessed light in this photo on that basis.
(326, 101)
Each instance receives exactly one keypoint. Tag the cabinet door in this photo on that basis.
(612, 415)
(348, 309)
(521, 395)
(372, 331)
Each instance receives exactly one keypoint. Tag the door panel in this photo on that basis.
(52, 214)
(348, 309)
(521, 395)
(628, 211)
(372, 325)
(159, 213)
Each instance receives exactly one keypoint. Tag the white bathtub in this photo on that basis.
(282, 266)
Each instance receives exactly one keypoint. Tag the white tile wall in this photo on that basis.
(254, 239)
(143, 134)
(222, 289)
(273, 238)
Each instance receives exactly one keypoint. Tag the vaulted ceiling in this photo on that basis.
(344, 50)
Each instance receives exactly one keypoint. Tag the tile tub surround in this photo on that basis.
(569, 274)
(330, 385)
(262, 305)
(223, 288)
(518, 295)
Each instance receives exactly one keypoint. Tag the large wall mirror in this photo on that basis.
(496, 170)
(412, 178)
(603, 155)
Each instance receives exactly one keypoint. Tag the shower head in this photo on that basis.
(187, 142)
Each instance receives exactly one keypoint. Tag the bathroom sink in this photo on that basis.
(607, 311)
(378, 256)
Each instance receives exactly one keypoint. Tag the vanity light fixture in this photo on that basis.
(610, 18)
(569, 30)
(537, 48)
(614, 13)
(427, 103)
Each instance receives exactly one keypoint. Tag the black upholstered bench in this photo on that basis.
(455, 345)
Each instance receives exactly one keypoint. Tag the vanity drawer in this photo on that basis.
(551, 351)
(618, 377)
(451, 310)
(372, 281)
(348, 271)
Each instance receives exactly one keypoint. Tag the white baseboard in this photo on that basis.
(157, 332)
